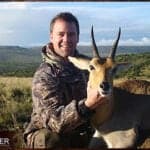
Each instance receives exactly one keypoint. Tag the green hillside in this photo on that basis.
(22, 62)
(18, 61)
(140, 65)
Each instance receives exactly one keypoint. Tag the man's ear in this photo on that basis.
(80, 62)
(51, 37)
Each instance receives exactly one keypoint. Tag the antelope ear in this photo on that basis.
(123, 66)
(80, 62)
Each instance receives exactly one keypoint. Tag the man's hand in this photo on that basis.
(94, 99)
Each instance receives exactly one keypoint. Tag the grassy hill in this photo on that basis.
(22, 62)
(140, 65)
(18, 61)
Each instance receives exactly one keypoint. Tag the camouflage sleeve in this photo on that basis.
(48, 105)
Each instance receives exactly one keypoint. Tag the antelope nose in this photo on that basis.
(104, 86)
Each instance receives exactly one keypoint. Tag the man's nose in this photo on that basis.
(66, 37)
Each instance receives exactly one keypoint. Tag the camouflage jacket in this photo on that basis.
(58, 92)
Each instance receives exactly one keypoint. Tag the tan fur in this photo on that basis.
(100, 73)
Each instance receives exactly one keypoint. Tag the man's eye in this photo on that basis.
(91, 67)
(60, 34)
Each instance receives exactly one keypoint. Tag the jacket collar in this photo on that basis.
(49, 56)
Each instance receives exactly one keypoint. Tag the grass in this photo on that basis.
(16, 101)
(16, 104)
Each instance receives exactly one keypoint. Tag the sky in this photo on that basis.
(27, 23)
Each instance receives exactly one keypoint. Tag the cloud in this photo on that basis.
(145, 41)
(6, 32)
(142, 42)
(28, 22)
(13, 5)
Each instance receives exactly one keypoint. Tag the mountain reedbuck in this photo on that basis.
(123, 113)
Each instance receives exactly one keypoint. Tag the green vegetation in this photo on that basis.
(140, 65)
(18, 64)
(18, 61)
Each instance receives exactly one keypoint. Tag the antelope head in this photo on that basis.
(101, 69)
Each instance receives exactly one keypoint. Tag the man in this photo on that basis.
(62, 107)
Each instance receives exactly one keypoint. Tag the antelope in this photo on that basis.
(118, 119)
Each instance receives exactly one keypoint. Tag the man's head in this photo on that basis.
(64, 34)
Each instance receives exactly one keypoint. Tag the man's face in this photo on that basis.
(64, 38)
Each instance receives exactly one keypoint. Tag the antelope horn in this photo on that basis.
(114, 47)
(95, 50)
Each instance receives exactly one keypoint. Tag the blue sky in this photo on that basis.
(27, 23)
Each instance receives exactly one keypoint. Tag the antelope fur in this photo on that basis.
(117, 120)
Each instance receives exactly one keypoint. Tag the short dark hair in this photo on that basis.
(66, 16)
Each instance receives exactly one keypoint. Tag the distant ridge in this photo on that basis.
(20, 61)
(104, 50)
(28, 54)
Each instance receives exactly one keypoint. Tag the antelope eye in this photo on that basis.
(91, 67)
